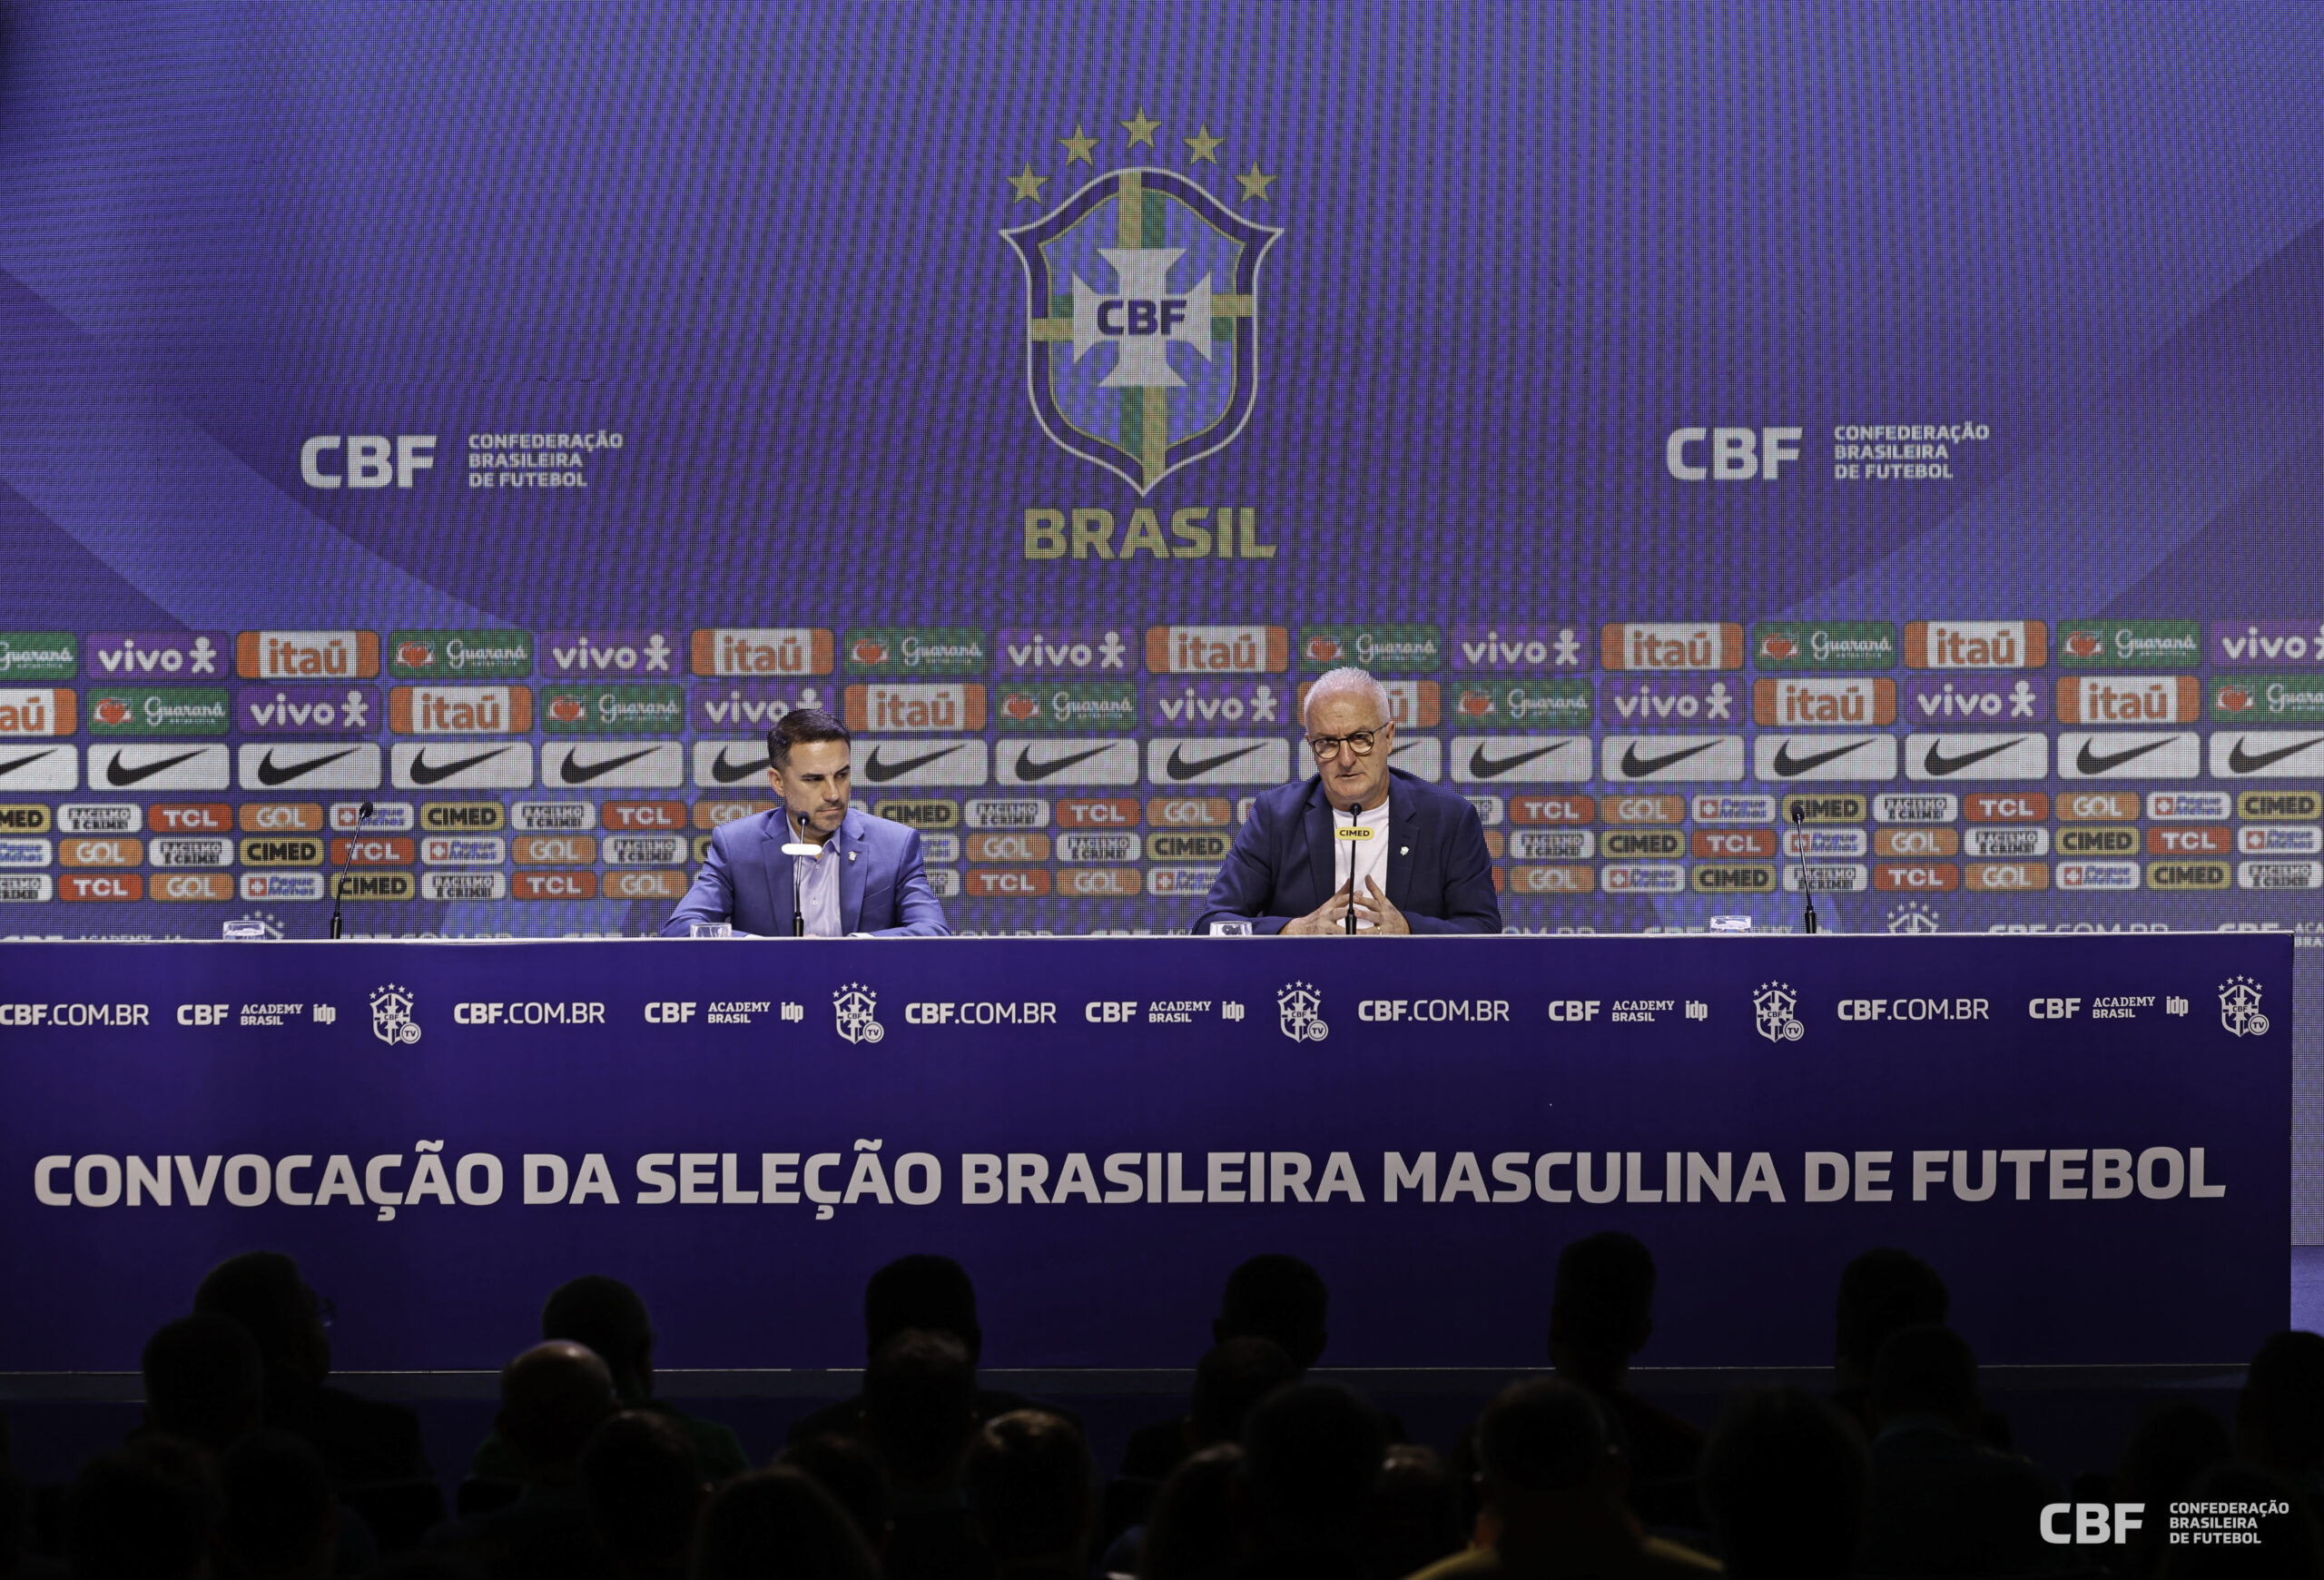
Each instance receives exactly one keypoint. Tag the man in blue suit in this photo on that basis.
(1416, 853)
(867, 877)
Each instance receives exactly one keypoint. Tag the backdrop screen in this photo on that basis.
(1906, 412)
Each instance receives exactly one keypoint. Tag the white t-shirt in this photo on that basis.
(1369, 856)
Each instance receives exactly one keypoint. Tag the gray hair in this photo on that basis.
(1347, 677)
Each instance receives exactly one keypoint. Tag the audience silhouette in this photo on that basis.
(249, 1465)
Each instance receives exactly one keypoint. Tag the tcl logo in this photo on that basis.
(644, 815)
(554, 885)
(2217, 840)
(365, 461)
(116, 886)
(208, 818)
(1105, 813)
(1730, 455)
(1023, 882)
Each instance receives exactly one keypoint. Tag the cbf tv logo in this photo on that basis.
(1299, 1011)
(1142, 308)
(2238, 1008)
(1773, 1011)
(856, 1010)
(391, 1020)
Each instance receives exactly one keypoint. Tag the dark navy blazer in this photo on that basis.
(1439, 872)
(746, 880)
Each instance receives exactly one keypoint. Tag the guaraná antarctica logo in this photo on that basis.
(856, 1010)
(2238, 1008)
(1142, 307)
(1772, 1009)
(1299, 1010)
(391, 1020)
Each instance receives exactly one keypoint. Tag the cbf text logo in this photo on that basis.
(2238, 1008)
(1299, 1013)
(1772, 1011)
(391, 1020)
(856, 1010)
(1142, 307)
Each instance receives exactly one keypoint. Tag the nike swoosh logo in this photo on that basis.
(1939, 764)
(723, 772)
(576, 772)
(1031, 772)
(267, 774)
(1636, 767)
(2089, 762)
(1177, 767)
(13, 764)
(424, 772)
(1483, 767)
(117, 776)
(2239, 761)
(879, 770)
(1789, 766)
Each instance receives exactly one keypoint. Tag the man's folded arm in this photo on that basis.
(916, 902)
(1245, 885)
(710, 899)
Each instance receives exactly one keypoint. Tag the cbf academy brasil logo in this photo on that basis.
(1142, 307)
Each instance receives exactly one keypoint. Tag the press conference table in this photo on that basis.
(2088, 1135)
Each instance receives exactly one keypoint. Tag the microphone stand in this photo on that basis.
(1352, 843)
(1799, 822)
(797, 849)
(338, 878)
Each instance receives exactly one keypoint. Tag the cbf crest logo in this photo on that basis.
(1142, 307)
(2238, 1008)
(856, 1009)
(391, 1020)
(1299, 1011)
(1772, 1009)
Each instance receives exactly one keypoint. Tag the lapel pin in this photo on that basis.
(1403, 850)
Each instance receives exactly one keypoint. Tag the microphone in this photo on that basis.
(1799, 821)
(338, 878)
(1353, 835)
(797, 847)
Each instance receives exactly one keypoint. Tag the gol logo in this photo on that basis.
(2084, 644)
(870, 650)
(1018, 705)
(1775, 645)
(1321, 649)
(566, 709)
(2232, 699)
(112, 710)
(416, 655)
(1474, 703)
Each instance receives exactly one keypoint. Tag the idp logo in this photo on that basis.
(1730, 455)
(372, 461)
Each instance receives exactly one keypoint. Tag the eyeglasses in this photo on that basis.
(1361, 743)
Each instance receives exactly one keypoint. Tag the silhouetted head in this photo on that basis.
(1786, 1483)
(1603, 1310)
(1230, 1379)
(1033, 1487)
(930, 1293)
(1279, 1298)
(1415, 1517)
(552, 1397)
(1191, 1531)
(147, 1512)
(2279, 1415)
(1881, 1291)
(779, 1523)
(920, 1406)
(2170, 1447)
(850, 1472)
(282, 1520)
(204, 1381)
(643, 1488)
(607, 1316)
(1312, 1455)
(1926, 1370)
(1539, 1437)
(264, 1292)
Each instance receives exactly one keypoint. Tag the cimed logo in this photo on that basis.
(1772, 1009)
(1299, 1013)
(1142, 310)
(391, 1020)
(2238, 1008)
(856, 1010)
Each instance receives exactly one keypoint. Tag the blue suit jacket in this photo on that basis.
(1439, 874)
(746, 880)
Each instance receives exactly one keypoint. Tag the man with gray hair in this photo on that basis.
(1359, 837)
